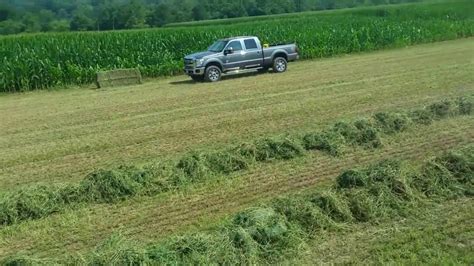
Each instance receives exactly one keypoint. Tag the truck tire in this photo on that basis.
(213, 74)
(280, 65)
(197, 78)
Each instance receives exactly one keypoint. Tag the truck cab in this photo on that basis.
(238, 53)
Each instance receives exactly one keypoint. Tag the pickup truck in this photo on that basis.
(237, 53)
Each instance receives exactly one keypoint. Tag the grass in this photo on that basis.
(60, 136)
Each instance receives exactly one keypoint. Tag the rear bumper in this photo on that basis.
(194, 71)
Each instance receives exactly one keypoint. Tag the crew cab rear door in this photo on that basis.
(253, 53)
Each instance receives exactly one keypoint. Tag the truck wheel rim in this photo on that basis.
(213, 74)
(280, 65)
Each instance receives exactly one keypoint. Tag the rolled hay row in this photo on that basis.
(305, 213)
(30, 203)
(464, 105)
(191, 168)
(268, 149)
(361, 132)
(450, 175)
(421, 117)
(101, 186)
(277, 148)
(391, 123)
(329, 142)
(108, 186)
(333, 204)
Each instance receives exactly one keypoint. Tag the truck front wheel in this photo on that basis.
(280, 65)
(213, 74)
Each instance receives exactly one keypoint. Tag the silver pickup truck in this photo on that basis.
(238, 53)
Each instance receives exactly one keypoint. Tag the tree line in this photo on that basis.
(17, 16)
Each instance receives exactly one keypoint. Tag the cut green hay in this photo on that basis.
(277, 148)
(441, 109)
(270, 230)
(351, 179)
(362, 205)
(435, 180)
(391, 123)
(192, 167)
(333, 204)
(459, 165)
(113, 185)
(367, 134)
(116, 250)
(226, 162)
(329, 142)
(301, 211)
(394, 176)
(194, 249)
(464, 105)
(361, 132)
(29, 203)
(421, 116)
(385, 171)
(25, 261)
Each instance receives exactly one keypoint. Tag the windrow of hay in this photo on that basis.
(282, 227)
(111, 185)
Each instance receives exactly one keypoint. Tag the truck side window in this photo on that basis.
(250, 44)
(236, 45)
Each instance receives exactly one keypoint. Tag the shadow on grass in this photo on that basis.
(224, 77)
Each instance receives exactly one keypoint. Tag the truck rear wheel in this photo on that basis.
(280, 65)
(213, 74)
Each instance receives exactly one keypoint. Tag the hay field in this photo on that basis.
(57, 137)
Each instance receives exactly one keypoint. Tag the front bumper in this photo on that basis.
(194, 71)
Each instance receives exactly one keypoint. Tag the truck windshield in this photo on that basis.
(217, 46)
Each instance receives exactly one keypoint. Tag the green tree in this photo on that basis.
(31, 22)
(199, 12)
(60, 25)
(160, 15)
(11, 26)
(133, 15)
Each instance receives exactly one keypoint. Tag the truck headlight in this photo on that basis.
(199, 62)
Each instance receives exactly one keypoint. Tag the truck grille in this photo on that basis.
(189, 62)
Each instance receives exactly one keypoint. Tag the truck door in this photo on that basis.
(236, 58)
(253, 53)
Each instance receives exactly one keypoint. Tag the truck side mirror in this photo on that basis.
(229, 50)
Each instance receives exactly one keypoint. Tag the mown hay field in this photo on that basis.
(58, 137)
(30, 62)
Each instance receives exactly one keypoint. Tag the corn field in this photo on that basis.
(30, 62)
